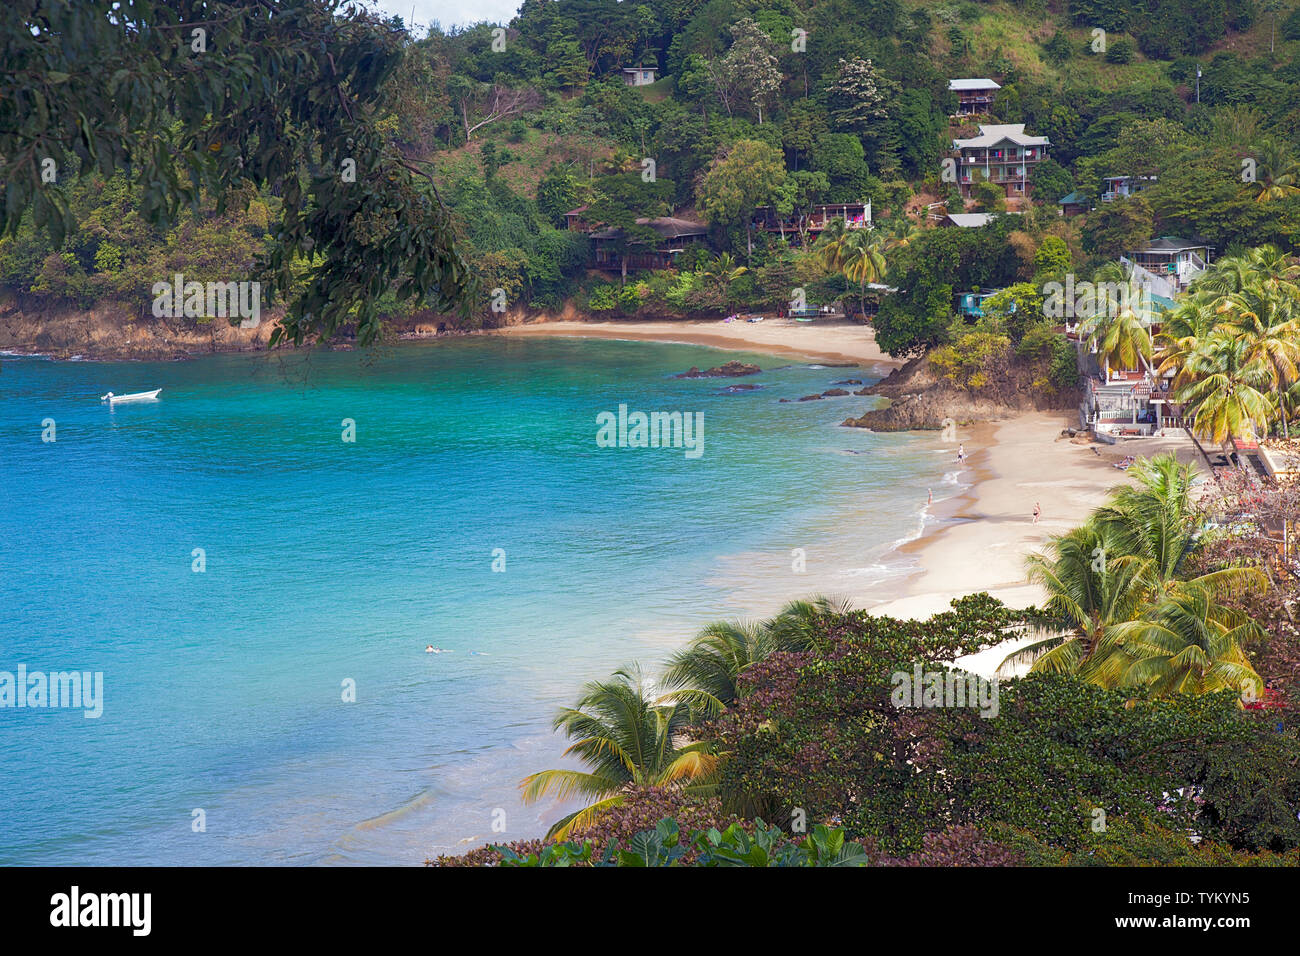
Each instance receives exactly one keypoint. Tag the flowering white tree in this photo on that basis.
(749, 70)
(858, 95)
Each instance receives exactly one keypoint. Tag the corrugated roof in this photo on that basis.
(1075, 198)
(1170, 244)
(666, 226)
(969, 220)
(992, 135)
(972, 84)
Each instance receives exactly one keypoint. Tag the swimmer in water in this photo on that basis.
(430, 650)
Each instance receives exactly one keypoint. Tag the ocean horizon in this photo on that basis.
(235, 568)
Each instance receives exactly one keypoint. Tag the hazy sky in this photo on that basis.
(451, 12)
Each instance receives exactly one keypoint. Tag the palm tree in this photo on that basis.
(707, 672)
(721, 272)
(899, 233)
(1224, 388)
(1277, 175)
(1183, 329)
(1122, 339)
(858, 254)
(798, 625)
(1266, 320)
(1185, 644)
(1130, 556)
(1086, 591)
(1153, 528)
(628, 740)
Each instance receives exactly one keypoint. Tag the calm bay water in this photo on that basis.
(329, 561)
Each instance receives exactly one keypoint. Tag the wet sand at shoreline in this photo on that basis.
(842, 342)
(976, 540)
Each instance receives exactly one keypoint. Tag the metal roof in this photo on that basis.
(992, 135)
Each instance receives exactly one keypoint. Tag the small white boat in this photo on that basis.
(133, 397)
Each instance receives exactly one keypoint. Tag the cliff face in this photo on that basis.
(117, 330)
(113, 332)
(921, 400)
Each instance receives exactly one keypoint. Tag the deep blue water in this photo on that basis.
(329, 561)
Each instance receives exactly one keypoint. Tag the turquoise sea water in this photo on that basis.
(330, 562)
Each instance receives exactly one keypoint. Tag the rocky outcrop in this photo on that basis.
(920, 400)
(930, 409)
(732, 369)
(112, 331)
(834, 393)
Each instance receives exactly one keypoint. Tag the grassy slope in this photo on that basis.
(1005, 29)
(995, 29)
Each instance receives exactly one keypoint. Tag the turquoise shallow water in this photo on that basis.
(329, 561)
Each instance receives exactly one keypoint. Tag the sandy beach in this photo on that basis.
(984, 535)
(980, 538)
(818, 341)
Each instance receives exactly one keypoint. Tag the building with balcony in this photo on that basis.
(1168, 265)
(1119, 187)
(974, 96)
(854, 215)
(1004, 155)
(675, 236)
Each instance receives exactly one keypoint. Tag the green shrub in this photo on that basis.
(1119, 51)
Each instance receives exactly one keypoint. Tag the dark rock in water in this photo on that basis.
(834, 393)
(849, 381)
(732, 369)
(810, 398)
(746, 387)
(785, 399)
(863, 391)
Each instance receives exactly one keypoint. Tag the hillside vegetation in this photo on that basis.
(769, 103)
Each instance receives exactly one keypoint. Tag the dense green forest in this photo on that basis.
(782, 104)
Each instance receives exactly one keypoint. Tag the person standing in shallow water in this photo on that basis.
(1038, 511)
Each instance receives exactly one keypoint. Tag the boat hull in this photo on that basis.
(133, 397)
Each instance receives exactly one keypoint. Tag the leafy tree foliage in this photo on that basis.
(282, 95)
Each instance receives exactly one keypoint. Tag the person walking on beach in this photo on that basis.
(1038, 511)
(929, 500)
(961, 452)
